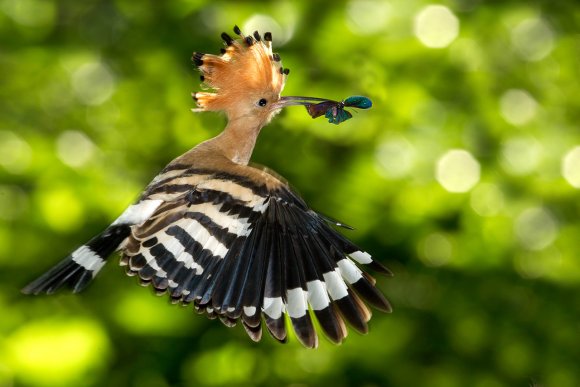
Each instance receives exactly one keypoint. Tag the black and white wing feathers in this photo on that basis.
(80, 267)
(240, 251)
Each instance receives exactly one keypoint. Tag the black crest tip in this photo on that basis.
(276, 57)
(228, 39)
(257, 36)
(223, 50)
(201, 78)
(286, 71)
(237, 30)
(249, 41)
(268, 36)
(197, 58)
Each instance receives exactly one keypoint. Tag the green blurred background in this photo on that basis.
(463, 179)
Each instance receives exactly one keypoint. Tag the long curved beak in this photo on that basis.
(299, 101)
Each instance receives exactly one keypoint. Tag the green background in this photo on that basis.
(96, 100)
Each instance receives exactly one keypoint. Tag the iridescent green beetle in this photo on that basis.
(334, 110)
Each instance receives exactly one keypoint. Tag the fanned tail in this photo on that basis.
(77, 270)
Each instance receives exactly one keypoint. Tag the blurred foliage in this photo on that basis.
(463, 179)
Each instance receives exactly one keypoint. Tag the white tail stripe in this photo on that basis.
(273, 307)
(88, 259)
(349, 271)
(296, 305)
(249, 310)
(138, 213)
(337, 289)
(361, 257)
(317, 295)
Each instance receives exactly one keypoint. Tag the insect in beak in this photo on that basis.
(334, 111)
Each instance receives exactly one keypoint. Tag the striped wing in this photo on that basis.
(239, 251)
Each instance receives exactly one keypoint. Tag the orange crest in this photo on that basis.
(245, 67)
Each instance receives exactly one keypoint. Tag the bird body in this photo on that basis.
(234, 239)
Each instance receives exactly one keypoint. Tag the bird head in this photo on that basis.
(246, 80)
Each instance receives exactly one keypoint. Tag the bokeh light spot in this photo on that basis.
(15, 153)
(533, 39)
(366, 17)
(571, 167)
(521, 155)
(395, 158)
(487, 200)
(536, 228)
(57, 352)
(74, 148)
(137, 312)
(457, 171)
(62, 210)
(93, 83)
(518, 107)
(436, 249)
(436, 26)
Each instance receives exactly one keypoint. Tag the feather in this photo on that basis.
(255, 332)
(296, 293)
(78, 269)
(253, 289)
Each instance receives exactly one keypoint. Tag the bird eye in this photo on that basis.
(262, 102)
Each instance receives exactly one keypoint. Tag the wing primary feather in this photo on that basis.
(200, 283)
(187, 279)
(354, 311)
(234, 276)
(330, 321)
(252, 291)
(350, 306)
(78, 269)
(207, 283)
(333, 221)
(366, 289)
(255, 332)
(275, 281)
(347, 247)
(227, 321)
(296, 290)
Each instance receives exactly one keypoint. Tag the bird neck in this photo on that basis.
(238, 139)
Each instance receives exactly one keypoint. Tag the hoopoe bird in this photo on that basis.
(233, 239)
